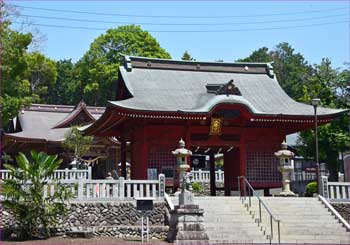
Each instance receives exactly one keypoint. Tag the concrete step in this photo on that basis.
(315, 236)
(313, 241)
(232, 224)
(237, 241)
(303, 220)
(235, 233)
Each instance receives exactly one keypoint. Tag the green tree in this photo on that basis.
(66, 90)
(187, 56)
(15, 88)
(34, 212)
(98, 69)
(41, 74)
(260, 55)
(78, 143)
(303, 82)
(325, 83)
(291, 68)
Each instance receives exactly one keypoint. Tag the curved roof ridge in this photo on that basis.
(132, 57)
(132, 62)
(79, 108)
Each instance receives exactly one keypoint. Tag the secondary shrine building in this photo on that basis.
(238, 109)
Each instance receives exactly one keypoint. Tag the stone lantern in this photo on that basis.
(186, 219)
(181, 154)
(285, 167)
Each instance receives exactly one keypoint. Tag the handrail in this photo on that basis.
(261, 202)
(335, 212)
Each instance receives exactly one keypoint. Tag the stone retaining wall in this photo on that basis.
(117, 219)
(343, 209)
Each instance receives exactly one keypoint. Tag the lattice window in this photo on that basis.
(262, 167)
(160, 155)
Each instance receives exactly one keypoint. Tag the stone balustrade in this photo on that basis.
(203, 176)
(87, 189)
(302, 176)
(60, 174)
(339, 190)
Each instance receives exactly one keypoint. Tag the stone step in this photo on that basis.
(289, 209)
(224, 210)
(235, 233)
(227, 216)
(313, 241)
(230, 223)
(296, 214)
(236, 241)
(243, 236)
(315, 236)
(252, 229)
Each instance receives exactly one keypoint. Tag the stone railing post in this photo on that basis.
(200, 177)
(324, 186)
(89, 172)
(80, 188)
(161, 185)
(121, 187)
(66, 171)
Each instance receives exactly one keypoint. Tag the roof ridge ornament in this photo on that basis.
(220, 89)
(127, 63)
(270, 71)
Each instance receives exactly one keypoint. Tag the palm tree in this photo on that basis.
(34, 211)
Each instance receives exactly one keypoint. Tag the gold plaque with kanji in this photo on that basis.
(215, 126)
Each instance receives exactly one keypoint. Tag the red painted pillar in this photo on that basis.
(144, 160)
(231, 169)
(242, 157)
(139, 154)
(242, 161)
(123, 157)
(212, 174)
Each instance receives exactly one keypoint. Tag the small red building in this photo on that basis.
(237, 109)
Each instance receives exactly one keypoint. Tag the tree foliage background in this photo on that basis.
(303, 81)
(29, 77)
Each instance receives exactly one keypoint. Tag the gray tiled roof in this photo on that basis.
(38, 122)
(171, 86)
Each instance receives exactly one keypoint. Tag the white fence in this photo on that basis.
(86, 190)
(339, 190)
(60, 174)
(203, 176)
(302, 176)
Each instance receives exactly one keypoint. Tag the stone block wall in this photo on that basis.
(343, 209)
(117, 219)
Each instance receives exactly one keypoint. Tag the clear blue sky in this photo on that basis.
(315, 42)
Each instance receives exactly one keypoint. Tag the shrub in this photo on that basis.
(197, 187)
(311, 188)
(33, 211)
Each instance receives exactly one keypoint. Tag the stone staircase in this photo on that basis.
(227, 221)
(303, 220)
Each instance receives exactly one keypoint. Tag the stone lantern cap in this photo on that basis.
(181, 151)
(284, 152)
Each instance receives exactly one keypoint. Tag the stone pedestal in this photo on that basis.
(347, 168)
(186, 225)
(286, 192)
(186, 198)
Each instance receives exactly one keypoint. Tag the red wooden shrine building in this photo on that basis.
(43, 127)
(238, 109)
